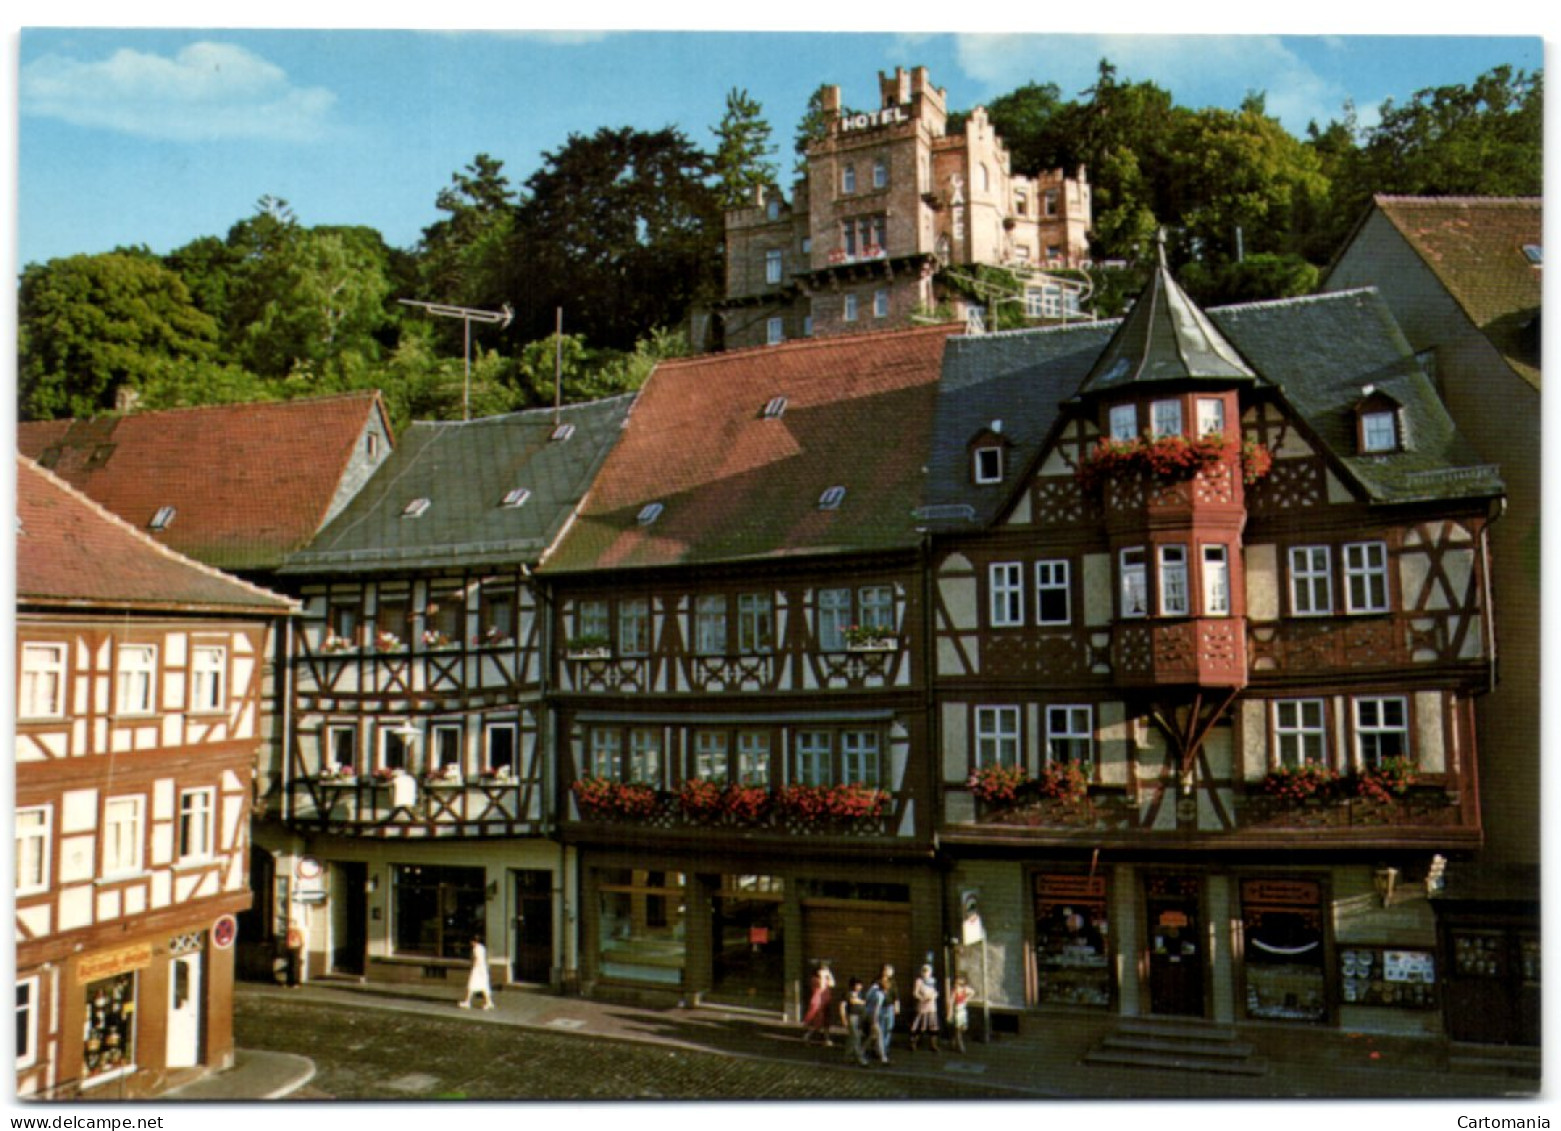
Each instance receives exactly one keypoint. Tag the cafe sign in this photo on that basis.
(107, 963)
(889, 116)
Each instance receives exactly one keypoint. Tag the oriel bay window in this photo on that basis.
(1381, 730)
(1134, 582)
(1123, 422)
(997, 736)
(640, 925)
(1211, 416)
(1216, 581)
(437, 910)
(1165, 418)
(1173, 581)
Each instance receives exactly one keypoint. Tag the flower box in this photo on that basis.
(1308, 782)
(1389, 781)
(589, 653)
(881, 644)
(603, 798)
(815, 804)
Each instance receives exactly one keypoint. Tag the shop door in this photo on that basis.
(747, 944)
(184, 1011)
(532, 954)
(856, 938)
(1175, 941)
(1493, 986)
(349, 917)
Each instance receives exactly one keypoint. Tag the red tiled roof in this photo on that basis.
(71, 551)
(735, 486)
(248, 482)
(1474, 246)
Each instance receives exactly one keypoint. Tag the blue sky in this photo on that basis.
(159, 135)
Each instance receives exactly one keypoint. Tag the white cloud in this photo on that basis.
(1198, 70)
(207, 92)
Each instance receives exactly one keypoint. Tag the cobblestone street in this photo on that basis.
(367, 1054)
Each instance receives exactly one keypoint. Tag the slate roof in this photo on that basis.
(735, 486)
(72, 552)
(1474, 246)
(248, 482)
(465, 469)
(1316, 353)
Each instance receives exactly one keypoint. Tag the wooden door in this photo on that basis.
(532, 957)
(1174, 922)
(349, 916)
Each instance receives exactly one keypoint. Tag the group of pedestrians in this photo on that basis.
(868, 1012)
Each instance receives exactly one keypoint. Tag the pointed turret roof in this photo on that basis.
(1165, 337)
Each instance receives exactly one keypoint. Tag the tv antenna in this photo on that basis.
(467, 315)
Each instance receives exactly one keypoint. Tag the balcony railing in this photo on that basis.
(482, 806)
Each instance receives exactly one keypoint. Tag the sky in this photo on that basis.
(158, 135)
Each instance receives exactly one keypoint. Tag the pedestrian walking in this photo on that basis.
(959, 1010)
(872, 1021)
(853, 1016)
(888, 1009)
(925, 1023)
(477, 981)
(816, 1019)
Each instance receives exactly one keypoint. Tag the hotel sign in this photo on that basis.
(889, 116)
(107, 963)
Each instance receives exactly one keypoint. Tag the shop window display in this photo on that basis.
(1072, 933)
(109, 1037)
(438, 910)
(641, 930)
(1283, 928)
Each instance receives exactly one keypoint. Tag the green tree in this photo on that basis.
(813, 126)
(464, 258)
(741, 159)
(1025, 118)
(92, 324)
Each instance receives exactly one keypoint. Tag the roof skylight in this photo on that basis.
(649, 513)
(415, 508)
(831, 499)
(563, 432)
(517, 497)
(1535, 254)
(161, 519)
(775, 409)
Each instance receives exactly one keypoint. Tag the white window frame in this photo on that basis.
(208, 678)
(875, 607)
(28, 1009)
(634, 635)
(1379, 432)
(593, 618)
(711, 756)
(135, 670)
(644, 761)
(774, 331)
(1133, 585)
(1005, 605)
(1214, 565)
(331, 731)
(1175, 594)
(880, 173)
(123, 836)
(1211, 416)
(772, 266)
(1370, 732)
(1311, 581)
(832, 617)
(1052, 576)
(849, 308)
(710, 626)
(604, 753)
(997, 737)
(1165, 418)
(42, 691)
(1073, 724)
(436, 744)
(1366, 567)
(860, 757)
(34, 849)
(491, 729)
(197, 831)
(753, 758)
(987, 464)
(389, 736)
(881, 302)
(1123, 422)
(755, 624)
(848, 179)
(814, 753)
(1300, 726)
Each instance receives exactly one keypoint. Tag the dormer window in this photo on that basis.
(649, 513)
(415, 508)
(775, 409)
(831, 499)
(563, 432)
(987, 464)
(161, 519)
(1379, 425)
(517, 497)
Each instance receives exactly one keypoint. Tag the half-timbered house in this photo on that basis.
(741, 711)
(1209, 610)
(417, 802)
(139, 717)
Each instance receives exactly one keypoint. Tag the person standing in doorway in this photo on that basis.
(888, 1010)
(816, 1019)
(925, 1023)
(853, 1015)
(477, 981)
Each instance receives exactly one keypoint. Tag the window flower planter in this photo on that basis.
(823, 804)
(1000, 785)
(860, 639)
(1063, 781)
(603, 798)
(1307, 782)
(335, 644)
(1389, 781)
(1168, 458)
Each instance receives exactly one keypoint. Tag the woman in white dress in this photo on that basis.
(477, 982)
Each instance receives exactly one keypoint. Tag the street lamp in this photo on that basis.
(467, 315)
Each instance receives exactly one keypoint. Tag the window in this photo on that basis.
(880, 173)
(807, 325)
(1381, 730)
(392, 616)
(1051, 592)
(562, 433)
(32, 850)
(1135, 582)
(136, 672)
(1300, 732)
(445, 618)
(755, 623)
(650, 512)
(42, 694)
(1165, 418)
(1311, 581)
(395, 747)
(645, 756)
(1173, 581)
(774, 408)
(162, 519)
(1069, 734)
(342, 616)
(849, 313)
(605, 757)
(1049, 203)
(1007, 594)
(634, 626)
(710, 626)
(859, 757)
(774, 331)
(446, 752)
(641, 930)
(988, 465)
(342, 748)
(196, 814)
(753, 758)
(848, 179)
(438, 910)
(831, 498)
(772, 266)
(497, 614)
(1534, 253)
(1211, 416)
(121, 836)
(1366, 577)
(1379, 431)
(109, 1035)
(1216, 582)
(1021, 202)
(710, 756)
(881, 303)
(983, 178)
(209, 683)
(863, 236)
(593, 621)
(27, 1022)
(876, 607)
(772, 208)
(1124, 422)
(415, 508)
(997, 736)
(813, 751)
(516, 497)
(501, 747)
(833, 618)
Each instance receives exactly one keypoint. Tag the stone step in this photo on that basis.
(1157, 1043)
(1181, 1028)
(1127, 1058)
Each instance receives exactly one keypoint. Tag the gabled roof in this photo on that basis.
(465, 471)
(1474, 247)
(247, 482)
(735, 486)
(1164, 337)
(71, 552)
